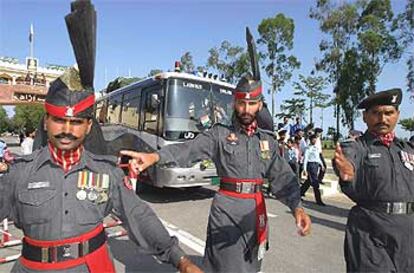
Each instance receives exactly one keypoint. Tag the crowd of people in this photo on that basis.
(301, 147)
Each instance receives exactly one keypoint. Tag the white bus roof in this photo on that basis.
(182, 75)
(167, 75)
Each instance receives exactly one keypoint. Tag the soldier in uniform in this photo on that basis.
(61, 193)
(376, 171)
(243, 154)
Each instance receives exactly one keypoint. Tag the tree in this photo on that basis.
(187, 64)
(376, 39)
(404, 24)
(4, 120)
(407, 124)
(276, 35)
(120, 82)
(361, 38)
(311, 88)
(27, 116)
(350, 86)
(228, 60)
(154, 72)
(292, 108)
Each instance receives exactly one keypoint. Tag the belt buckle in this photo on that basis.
(247, 187)
(70, 251)
(399, 208)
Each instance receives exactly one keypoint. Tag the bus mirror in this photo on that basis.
(154, 101)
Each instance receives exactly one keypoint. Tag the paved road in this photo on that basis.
(185, 214)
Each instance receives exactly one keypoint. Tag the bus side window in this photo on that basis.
(114, 109)
(130, 110)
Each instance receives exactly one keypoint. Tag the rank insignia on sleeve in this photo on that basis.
(264, 149)
(232, 139)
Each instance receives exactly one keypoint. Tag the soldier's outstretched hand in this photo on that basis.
(343, 165)
(187, 266)
(303, 222)
(140, 161)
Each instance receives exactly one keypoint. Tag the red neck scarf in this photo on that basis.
(251, 128)
(65, 159)
(386, 139)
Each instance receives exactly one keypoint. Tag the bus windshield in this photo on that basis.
(194, 106)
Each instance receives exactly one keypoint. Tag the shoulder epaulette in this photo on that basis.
(271, 133)
(27, 158)
(348, 140)
(111, 159)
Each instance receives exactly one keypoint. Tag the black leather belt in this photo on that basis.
(389, 207)
(241, 187)
(63, 253)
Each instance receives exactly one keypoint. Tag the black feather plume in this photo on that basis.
(251, 48)
(81, 24)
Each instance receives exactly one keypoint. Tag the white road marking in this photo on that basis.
(186, 238)
(271, 215)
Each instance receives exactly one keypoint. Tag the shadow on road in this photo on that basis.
(328, 209)
(127, 253)
(327, 223)
(170, 195)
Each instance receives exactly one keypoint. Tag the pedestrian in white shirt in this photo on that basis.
(27, 144)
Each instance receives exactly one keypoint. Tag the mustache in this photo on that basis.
(64, 135)
(246, 115)
(381, 124)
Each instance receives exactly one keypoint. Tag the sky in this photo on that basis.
(135, 36)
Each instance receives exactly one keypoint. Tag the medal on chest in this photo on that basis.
(93, 187)
(407, 159)
(81, 194)
(264, 149)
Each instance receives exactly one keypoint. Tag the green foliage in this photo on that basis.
(404, 25)
(361, 40)
(187, 64)
(120, 82)
(228, 60)
(407, 124)
(292, 108)
(154, 72)
(4, 120)
(276, 36)
(311, 87)
(27, 116)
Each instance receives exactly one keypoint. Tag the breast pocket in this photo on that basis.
(89, 213)
(36, 205)
(229, 148)
(372, 162)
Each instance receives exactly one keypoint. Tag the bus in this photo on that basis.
(170, 107)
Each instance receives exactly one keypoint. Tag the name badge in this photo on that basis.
(377, 155)
(38, 185)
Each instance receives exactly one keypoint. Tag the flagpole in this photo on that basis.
(31, 39)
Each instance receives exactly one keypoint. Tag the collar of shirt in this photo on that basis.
(65, 159)
(373, 139)
(242, 129)
(86, 160)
